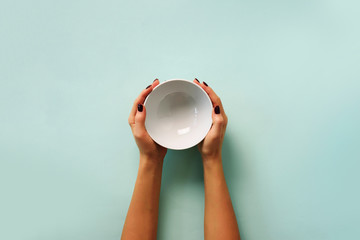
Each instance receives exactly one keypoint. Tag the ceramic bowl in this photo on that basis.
(178, 114)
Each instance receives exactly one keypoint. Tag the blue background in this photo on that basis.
(288, 75)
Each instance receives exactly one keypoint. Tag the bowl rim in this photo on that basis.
(207, 97)
(182, 80)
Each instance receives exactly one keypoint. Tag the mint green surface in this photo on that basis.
(289, 78)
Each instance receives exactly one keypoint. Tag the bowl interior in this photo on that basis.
(178, 114)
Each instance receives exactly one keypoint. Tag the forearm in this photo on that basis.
(142, 217)
(220, 220)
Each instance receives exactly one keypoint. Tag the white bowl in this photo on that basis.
(178, 114)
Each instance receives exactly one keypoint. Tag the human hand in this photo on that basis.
(147, 147)
(210, 147)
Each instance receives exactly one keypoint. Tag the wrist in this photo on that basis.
(212, 161)
(211, 157)
(151, 161)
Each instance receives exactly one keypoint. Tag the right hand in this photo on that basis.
(210, 147)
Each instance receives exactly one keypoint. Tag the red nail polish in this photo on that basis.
(205, 84)
(197, 80)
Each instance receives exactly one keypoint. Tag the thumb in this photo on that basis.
(140, 118)
(218, 121)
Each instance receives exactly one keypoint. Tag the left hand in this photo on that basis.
(147, 147)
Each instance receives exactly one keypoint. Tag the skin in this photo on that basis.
(142, 217)
(219, 220)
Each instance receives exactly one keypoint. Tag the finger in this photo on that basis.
(215, 99)
(139, 100)
(219, 111)
(140, 120)
(196, 81)
(219, 121)
(155, 83)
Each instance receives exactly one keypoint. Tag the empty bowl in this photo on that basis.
(178, 114)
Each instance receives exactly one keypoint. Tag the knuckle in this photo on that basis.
(220, 120)
(136, 101)
(138, 134)
(130, 121)
(217, 137)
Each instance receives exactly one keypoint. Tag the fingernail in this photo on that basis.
(140, 107)
(217, 110)
(197, 80)
(148, 86)
(205, 84)
(155, 79)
